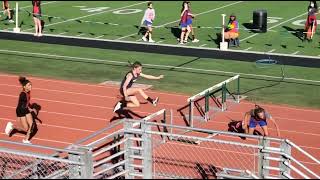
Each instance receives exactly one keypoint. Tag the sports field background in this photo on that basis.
(119, 20)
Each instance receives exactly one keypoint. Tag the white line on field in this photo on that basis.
(271, 50)
(80, 34)
(91, 15)
(296, 52)
(248, 49)
(274, 26)
(202, 45)
(154, 65)
(160, 41)
(99, 36)
(212, 10)
(62, 33)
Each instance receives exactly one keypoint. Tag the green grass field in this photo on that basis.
(96, 65)
(97, 19)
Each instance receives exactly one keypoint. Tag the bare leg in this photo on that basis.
(39, 27)
(182, 34)
(30, 123)
(265, 130)
(187, 33)
(134, 102)
(251, 130)
(35, 26)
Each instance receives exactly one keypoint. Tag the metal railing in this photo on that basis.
(145, 149)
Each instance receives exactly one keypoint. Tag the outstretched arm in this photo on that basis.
(151, 77)
(245, 122)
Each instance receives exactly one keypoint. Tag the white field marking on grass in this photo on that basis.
(99, 37)
(160, 41)
(202, 45)
(32, 6)
(296, 52)
(212, 10)
(156, 65)
(247, 48)
(82, 34)
(81, 17)
(271, 50)
(274, 26)
(63, 33)
(139, 40)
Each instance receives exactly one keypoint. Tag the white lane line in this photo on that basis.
(203, 45)
(248, 49)
(212, 10)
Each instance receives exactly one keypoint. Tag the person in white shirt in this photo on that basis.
(147, 20)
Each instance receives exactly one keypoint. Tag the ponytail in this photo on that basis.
(23, 80)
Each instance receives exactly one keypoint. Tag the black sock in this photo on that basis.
(193, 37)
(150, 100)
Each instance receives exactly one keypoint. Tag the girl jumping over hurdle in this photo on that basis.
(23, 112)
(129, 93)
(147, 20)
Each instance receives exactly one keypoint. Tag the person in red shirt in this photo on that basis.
(6, 8)
(311, 24)
(36, 12)
(185, 25)
(23, 111)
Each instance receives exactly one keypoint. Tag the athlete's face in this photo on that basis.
(28, 87)
(261, 115)
(138, 70)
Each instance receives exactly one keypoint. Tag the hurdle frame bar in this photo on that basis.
(207, 93)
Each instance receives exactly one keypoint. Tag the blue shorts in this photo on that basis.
(253, 123)
(147, 23)
(183, 25)
(189, 22)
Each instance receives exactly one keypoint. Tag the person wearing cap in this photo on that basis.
(231, 31)
(23, 112)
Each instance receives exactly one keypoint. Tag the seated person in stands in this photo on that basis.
(231, 31)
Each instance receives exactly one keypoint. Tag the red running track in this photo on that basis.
(72, 111)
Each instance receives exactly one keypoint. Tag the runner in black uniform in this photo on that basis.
(128, 92)
(23, 111)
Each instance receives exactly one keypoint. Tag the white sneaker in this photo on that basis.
(144, 39)
(117, 107)
(26, 141)
(11, 21)
(155, 101)
(195, 40)
(152, 41)
(9, 128)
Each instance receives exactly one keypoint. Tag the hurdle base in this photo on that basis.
(16, 30)
(223, 46)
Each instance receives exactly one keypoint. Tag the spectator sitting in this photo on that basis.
(231, 32)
